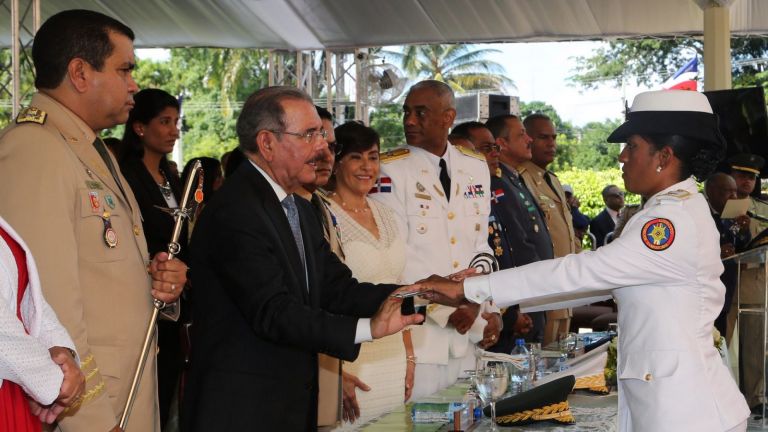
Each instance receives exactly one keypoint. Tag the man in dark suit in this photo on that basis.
(525, 237)
(269, 294)
(605, 221)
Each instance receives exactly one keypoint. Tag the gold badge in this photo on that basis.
(31, 115)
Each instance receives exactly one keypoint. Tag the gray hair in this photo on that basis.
(263, 110)
(440, 89)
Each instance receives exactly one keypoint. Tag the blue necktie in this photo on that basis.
(293, 220)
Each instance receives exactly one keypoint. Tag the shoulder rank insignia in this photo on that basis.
(394, 154)
(658, 234)
(31, 115)
(679, 194)
(471, 153)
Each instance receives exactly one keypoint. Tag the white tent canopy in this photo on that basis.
(331, 24)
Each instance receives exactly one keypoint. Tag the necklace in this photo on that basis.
(365, 209)
(165, 188)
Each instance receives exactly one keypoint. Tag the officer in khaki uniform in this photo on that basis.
(546, 188)
(745, 169)
(81, 221)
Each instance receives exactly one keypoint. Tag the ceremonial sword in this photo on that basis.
(179, 214)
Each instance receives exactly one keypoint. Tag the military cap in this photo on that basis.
(670, 112)
(746, 162)
(547, 402)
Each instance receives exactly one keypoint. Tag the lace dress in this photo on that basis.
(381, 363)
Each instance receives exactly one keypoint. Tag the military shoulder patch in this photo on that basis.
(679, 194)
(394, 154)
(471, 153)
(658, 234)
(31, 115)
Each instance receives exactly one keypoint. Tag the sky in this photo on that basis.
(540, 72)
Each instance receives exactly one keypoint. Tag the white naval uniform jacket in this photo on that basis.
(24, 358)
(441, 236)
(671, 377)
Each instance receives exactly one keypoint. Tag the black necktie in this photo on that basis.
(445, 179)
(104, 153)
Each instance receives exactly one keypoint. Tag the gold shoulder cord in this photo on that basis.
(559, 412)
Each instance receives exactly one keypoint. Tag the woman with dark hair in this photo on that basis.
(375, 252)
(664, 273)
(150, 134)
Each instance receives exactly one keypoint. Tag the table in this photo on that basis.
(592, 413)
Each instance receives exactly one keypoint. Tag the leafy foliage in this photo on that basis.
(588, 185)
(462, 66)
(651, 61)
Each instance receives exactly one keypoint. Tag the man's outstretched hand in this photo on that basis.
(443, 291)
(389, 320)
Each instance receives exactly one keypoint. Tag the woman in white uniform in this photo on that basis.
(663, 272)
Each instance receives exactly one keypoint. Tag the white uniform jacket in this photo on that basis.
(24, 358)
(441, 236)
(664, 274)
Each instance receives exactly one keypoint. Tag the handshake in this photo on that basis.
(72, 386)
(445, 290)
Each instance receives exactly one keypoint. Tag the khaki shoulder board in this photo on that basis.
(471, 153)
(31, 115)
(394, 154)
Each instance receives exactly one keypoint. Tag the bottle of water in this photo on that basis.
(519, 371)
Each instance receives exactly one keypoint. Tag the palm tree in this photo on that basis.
(462, 66)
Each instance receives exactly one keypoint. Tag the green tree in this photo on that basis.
(387, 120)
(651, 61)
(214, 83)
(462, 66)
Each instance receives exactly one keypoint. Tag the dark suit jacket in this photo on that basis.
(520, 230)
(600, 226)
(258, 328)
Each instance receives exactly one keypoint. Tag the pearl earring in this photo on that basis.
(658, 169)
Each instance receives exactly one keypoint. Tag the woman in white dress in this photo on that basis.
(375, 252)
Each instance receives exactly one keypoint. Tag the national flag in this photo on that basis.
(384, 185)
(684, 78)
(496, 195)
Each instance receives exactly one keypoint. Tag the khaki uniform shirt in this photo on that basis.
(554, 206)
(758, 207)
(58, 193)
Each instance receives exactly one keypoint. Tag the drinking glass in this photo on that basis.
(492, 382)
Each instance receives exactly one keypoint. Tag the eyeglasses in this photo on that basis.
(489, 148)
(308, 136)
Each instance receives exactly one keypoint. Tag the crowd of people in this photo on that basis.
(281, 297)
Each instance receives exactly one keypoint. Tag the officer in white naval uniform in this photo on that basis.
(663, 272)
(442, 234)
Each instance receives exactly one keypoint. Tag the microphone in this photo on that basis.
(757, 216)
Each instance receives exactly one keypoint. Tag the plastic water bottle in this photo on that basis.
(519, 372)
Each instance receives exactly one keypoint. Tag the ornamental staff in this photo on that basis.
(663, 272)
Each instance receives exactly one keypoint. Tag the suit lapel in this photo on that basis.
(279, 221)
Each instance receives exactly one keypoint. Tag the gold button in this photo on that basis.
(453, 240)
(455, 264)
(136, 230)
(450, 215)
(648, 377)
(423, 213)
(477, 211)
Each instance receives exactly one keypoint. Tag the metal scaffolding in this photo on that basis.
(21, 15)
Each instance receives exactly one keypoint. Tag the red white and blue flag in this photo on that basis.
(684, 78)
(383, 185)
(496, 195)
